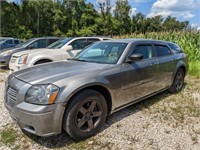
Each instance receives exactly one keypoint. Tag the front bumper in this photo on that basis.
(15, 67)
(4, 61)
(41, 120)
(38, 120)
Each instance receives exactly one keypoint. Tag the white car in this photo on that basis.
(60, 50)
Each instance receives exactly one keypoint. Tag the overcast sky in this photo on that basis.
(182, 9)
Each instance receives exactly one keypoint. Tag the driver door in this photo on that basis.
(139, 77)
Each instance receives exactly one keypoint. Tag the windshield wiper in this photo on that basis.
(78, 59)
(83, 60)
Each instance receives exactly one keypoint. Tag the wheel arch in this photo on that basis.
(42, 59)
(97, 87)
(181, 65)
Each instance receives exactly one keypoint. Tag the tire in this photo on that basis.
(178, 82)
(85, 115)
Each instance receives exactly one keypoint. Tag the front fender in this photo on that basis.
(75, 86)
(33, 60)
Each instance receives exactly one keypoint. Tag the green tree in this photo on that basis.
(121, 12)
(172, 24)
(105, 20)
(138, 23)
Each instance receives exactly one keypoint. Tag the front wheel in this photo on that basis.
(85, 114)
(178, 82)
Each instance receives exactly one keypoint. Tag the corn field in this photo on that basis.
(188, 40)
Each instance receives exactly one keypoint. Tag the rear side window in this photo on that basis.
(16, 41)
(52, 41)
(90, 41)
(175, 48)
(145, 50)
(162, 50)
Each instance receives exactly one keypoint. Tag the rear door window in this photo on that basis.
(16, 41)
(42, 43)
(162, 50)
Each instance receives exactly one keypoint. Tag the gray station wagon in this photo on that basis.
(77, 95)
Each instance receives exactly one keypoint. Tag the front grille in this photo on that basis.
(11, 97)
(13, 59)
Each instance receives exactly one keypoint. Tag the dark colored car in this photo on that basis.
(6, 42)
(34, 43)
(78, 94)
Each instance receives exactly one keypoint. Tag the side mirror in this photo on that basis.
(68, 47)
(135, 57)
(31, 47)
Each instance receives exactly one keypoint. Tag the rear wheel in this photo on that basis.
(85, 115)
(178, 81)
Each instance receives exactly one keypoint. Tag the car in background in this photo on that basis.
(8, 42)
(77, 95)
(61, 50)
(33, 43)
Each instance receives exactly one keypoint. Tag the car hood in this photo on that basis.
(12, 50)
(30, 51)
(52, 72)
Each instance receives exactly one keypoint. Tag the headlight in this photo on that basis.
(5, 53)
(42, 94)
(23, 59)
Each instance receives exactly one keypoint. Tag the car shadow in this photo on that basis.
(63, 139)
(4, 67)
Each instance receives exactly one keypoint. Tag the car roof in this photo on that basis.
(48, 37)
(130, 40)
(90, 37)
(6, 38)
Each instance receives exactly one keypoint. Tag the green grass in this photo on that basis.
(194, 68)
(8, 136)
(2, 70)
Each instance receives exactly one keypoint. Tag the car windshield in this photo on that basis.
(102, 52)
(26, 43)
(2, 40)
(59, 44)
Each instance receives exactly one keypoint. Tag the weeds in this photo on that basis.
(8, 136)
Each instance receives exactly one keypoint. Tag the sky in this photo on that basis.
(181, 9)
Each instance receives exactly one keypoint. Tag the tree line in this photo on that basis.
(35, 18)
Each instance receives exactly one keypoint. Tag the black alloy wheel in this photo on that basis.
(85, 114)
(178, 82)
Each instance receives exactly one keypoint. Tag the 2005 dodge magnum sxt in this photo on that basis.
(76, 95)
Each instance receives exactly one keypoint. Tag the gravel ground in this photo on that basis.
(165, 121)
